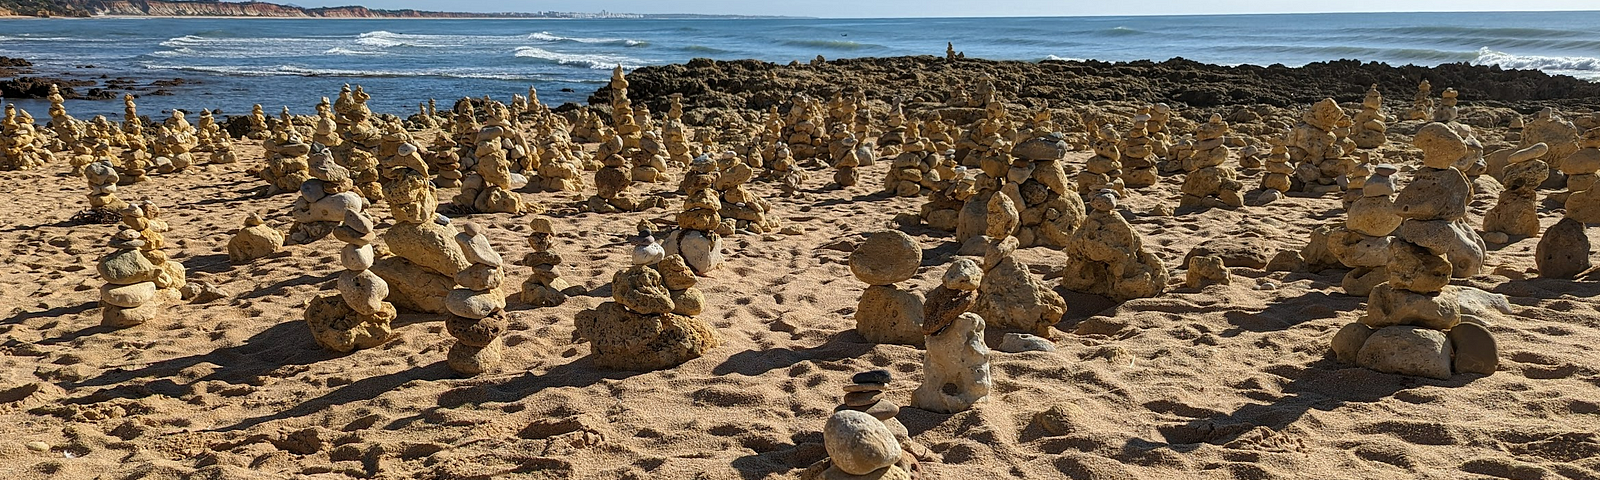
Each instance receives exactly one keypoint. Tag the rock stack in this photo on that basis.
(1559, 134)
(1316, 148)
(696, 239)
(1369, 124)
(1138, 156)
(613, 179)
(21, 146)
(650, 323)
(358, 317)
(746, 210)
(256, 124)
(140, 281)
(956, 362)
(102, 178)
(649, 160)
(1210, 182)
(1516, 212)
(255, 240)
(1422, 103)
(1038, 187)
(622, 119)
(1363, 243)
(885, 313)
(1106, 257)
(1104, 169)
(425, 258)
(490, 187)
(863, 438)
(1008, 294)
(545, 287)
(286, 163)
(1414, 322)
(214, 140)
(912, 169)
(783, 168)
(325, 200)
(1583, 189)
(477, 307)
(1278, 170)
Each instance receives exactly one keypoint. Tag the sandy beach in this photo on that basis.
(1224, 381)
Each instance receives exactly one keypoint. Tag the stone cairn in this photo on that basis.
(1008, 294)
(783, 168)
(1316, 149)
(885, 313)
(649, 160)
(140, 280)
(21, 146)
(746, 210)
(424, 258)
(675, 134)
(1583, 189)
(1516, 212)
(956, 363)
(255, 240)
(1370, 128)
(1278, 169)
(325, 200)
(696, 239)
(1422, 103)
(286, 165)
(1471, 164)
(1038, 187)
(102, 178)
(650, 323)
(560, 166)
(443, 158)
(490, 188)
(358, 317)
(1414, 324)
(214, 140)
(1107, 257)
(1559, 134)
(1104, 169)
(613, 179)
(545, 287)
(622, 118)
(912, 170)
(1363, 243)
(1210, 182)
(477, 308)
(256, 124)
(848, 154)
(863, 438)
(1138, 156)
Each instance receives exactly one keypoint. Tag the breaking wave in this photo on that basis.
(595, 61)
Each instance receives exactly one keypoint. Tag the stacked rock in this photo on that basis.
(1210, 182)
(1104, 169)
(912, 169)
(1106, 257)
(696, 238)
(560, 170)
(675, 135)
(1472, 164)
(885, 313)
(424, 259)
(21, 147)
(1370, 131)
(804, 127)
(649, 160)
(102, 179)
(1583, 183)
(1514, 128)
(613, 180)
(443, 158)
(256, 122)
(490, 188)
(1556, 132)
(1278, 168)
(785, 170)
(987, 143)
(1414, 322)
(746, 210)
(68, 130)
(325, 200)
(956, 363)
(254, 241)
(171, 150)
(854, 444)
(214, 140)
(1363, 244)
(286, 164)
(545, 287)
(650, 323)
(1037, 185)
(1138, 155)
(1434, 204)
(847, 155)
(358, 317)
(1008, 294)
(1422, 103)
(622, 119)
(1516, 212)
(139, 278)
(477, 308)
(1315, 146)
(1206, 270)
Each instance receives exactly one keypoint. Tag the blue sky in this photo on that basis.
(965, 8)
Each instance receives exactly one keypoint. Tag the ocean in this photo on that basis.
(293, 62)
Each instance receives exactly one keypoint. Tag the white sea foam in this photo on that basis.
(302, 71)
(595, 61)
(1064, 59)
(550, 37)
(1582, 67)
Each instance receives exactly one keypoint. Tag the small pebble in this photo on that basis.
(38, 446)
(1267, 286)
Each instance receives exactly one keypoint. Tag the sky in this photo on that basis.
(961, 8)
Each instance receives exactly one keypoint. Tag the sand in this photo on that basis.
(1232, 381)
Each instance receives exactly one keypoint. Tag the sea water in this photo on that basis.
(236, 62)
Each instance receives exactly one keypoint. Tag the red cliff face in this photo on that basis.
(179, 8)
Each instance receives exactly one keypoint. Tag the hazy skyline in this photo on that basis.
(961, 8)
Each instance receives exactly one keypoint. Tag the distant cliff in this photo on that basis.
(182, 8)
